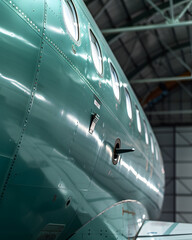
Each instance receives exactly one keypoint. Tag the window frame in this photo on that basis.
(146, 132)
(128, 94)
(91, 32)
(137, 111)
(70, 3)
(156, 152)
(111, 67)
(152, 144)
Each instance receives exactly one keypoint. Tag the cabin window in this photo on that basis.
(115, 82)
(96, 53)
(156, 152)
(146, 133)
(71, 19)
(152, 144)
(138, 119)
(128, 104)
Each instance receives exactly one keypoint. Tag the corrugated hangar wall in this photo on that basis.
(176, 147)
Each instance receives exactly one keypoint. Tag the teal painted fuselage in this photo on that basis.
(52, 169)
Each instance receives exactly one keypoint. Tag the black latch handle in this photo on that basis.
(121, 151)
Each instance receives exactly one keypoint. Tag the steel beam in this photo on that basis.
(176, 56)
(102, 10)
(172, 112)
(146, 27)
(166, 79)
(158, 56)
(183, 212)
(148, 14)
(184, 11)
(171, 10)
(185, 139)
(184, 219)
(189, 93)
(174, 173)
(158, 9)
(186, 187)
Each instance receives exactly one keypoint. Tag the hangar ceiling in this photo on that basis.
(152, 40)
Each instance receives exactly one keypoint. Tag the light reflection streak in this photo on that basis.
(57, 30)
(42, 98)
(84, 129)
(22, 87)
(62, 112)
(139, 222)
(82, 55)
(17, 84)
(62, 188)
(138, 176)
(125, 85)
(109, 150)
(13, 35)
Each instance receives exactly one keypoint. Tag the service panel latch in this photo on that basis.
(94, 119)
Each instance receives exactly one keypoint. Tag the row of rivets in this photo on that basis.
(25, 16)
(30, 104)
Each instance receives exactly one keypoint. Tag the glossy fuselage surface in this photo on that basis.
(52, 170)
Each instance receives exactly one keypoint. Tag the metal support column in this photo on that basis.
(174, 174)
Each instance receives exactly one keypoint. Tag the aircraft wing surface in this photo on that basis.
(155, 230)
(121, 221)
(128, 220)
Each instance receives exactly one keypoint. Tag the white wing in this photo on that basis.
(154, 230)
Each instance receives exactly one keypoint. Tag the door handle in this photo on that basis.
(121, 151)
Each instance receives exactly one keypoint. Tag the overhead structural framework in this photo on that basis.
(171, 8)
(153, 42)
(102, 10)
(179, 59)
(171, 112)
(167, 79)
(158, 9)
(169, 22)
(146, 27)
(164, 7)
(158, 56)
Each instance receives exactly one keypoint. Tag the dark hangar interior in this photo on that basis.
(152, 41)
